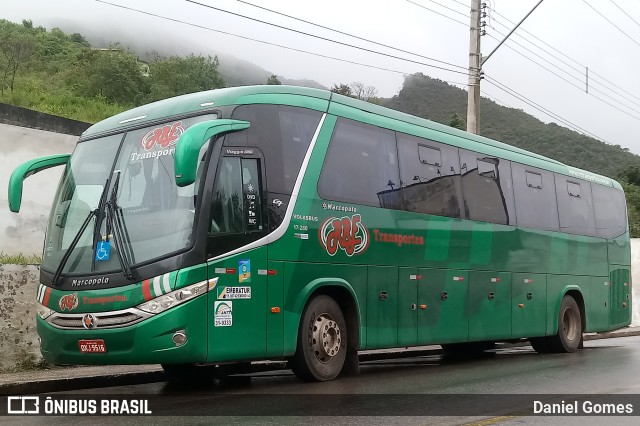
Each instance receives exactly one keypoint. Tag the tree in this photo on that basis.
(17, 47)
(342, 89)
(273, 80)
(457, 122)
(362, 92)
(111, 74)
(175, 76)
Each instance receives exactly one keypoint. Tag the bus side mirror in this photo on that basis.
(25, 170)
(190, 142)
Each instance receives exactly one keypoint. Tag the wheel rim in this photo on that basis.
(326, 338)
(570, 324)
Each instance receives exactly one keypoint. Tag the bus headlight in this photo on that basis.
(169, 300)
(43, 311)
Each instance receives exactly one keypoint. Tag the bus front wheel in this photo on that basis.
(569, 334)
(322, 341)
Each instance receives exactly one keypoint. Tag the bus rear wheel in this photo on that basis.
(322, 341)
(569, 334)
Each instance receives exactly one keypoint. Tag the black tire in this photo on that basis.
(540, 344)
(569, 336)
(322, 341)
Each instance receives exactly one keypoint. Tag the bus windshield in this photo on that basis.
(156, 215)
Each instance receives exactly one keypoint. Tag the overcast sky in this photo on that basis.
(582, 37)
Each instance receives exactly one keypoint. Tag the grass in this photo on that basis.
(34, 93)
(20, 259)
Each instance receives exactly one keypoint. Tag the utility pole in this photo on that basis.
(476, 62)
(473, 102)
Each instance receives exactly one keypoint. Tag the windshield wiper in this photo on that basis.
(121, 239)
(93, 213)
(72, 246)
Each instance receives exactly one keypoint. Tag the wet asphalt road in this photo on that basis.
(420, 390)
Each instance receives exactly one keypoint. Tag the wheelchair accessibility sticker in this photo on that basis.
(103, 250)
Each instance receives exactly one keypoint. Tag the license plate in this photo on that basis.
(92, 346)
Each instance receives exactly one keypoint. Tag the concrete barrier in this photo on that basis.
(18, 338)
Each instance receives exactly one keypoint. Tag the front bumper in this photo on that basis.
(147, 342)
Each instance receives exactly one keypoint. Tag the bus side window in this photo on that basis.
(361, 166)
(430, 176)
(575, 206)
(535, 195)
(610, 211)
(487, 187)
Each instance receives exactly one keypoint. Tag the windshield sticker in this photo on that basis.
(346, 233)
(222, 314)
(159, 142)
(244, 271)
(68, 302)
(163, 137)
(103, 250)
(234, 293)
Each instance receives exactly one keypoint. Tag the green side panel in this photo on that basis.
(407, 306)
(237, 324)
(598, 306)
(382, 307)
(620, 296)
(620, 250)
(445, 318)
(557, 287)
(528, 305)
(489, 305)
(148, 342)
(191, 275)
(302, 280)
(275, 320)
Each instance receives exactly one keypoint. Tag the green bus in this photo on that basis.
(275, 222)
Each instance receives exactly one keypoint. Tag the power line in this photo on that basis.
(252, 39)
(537, 63)
(436, 12)
(494, 99)
(609, 21)
(579, 88)
(462, 4)
(448, 8)
(594, 89)
(347, 34)
(324, 38)
(623, 11)
(598, 78)
(540, 108)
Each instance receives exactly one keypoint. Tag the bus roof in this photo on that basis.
(324, 100)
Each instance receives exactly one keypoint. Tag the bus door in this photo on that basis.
(237, 318)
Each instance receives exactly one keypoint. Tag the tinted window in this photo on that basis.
(487, 187)
(575, 206)
(283, 133)
(430, 176)
(611, 211)
(361, 166)
(535, 197)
